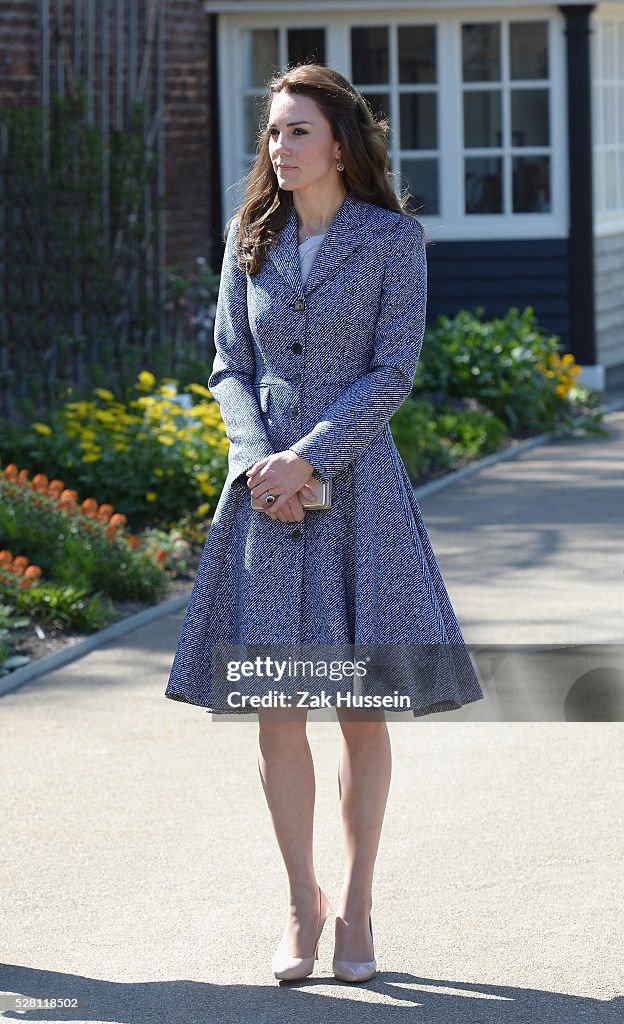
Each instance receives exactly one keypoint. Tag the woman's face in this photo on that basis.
(301, 145)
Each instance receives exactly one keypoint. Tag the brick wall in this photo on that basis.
(189, 131)
(19, 53)
(190, 167)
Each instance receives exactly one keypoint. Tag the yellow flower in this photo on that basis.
(105, 394)
(151, 496)
(203, 509)
(199, 389)
(91, 457)
(146, 379)
(158, 471)
(166, 439)
(42, 428)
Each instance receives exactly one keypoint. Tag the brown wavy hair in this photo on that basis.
(363, 145)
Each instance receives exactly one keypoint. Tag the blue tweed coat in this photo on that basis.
(321, 369)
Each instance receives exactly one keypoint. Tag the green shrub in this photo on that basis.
(72, 549)
(153, 459)
(508, 364)
(437, 436)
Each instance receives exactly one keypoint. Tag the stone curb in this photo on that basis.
(81, 647)
(502, 456)
(77, 650)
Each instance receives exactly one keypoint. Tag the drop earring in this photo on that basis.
(340, 166)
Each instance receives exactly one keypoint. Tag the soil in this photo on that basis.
(30, 642)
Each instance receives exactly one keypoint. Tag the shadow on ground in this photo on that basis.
(314, 999)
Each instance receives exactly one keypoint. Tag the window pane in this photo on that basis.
(369, 55)
(484, 185)
(417, 53)
(379, 102)
(529, 117)
(252, 110)
(419, 128)
(482, 119)
(422, 182)
(531, 184)
(306, 44)
(611, 179)
(528, 43)
(481, 53)
(260, 57)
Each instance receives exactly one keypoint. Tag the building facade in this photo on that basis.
(507, 128)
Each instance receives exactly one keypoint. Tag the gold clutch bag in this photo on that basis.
(322, 496)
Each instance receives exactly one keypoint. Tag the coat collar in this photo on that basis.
(355, 220)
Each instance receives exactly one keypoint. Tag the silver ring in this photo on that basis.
(269, 498)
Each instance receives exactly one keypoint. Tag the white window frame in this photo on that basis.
(608, 131)
(452, 223)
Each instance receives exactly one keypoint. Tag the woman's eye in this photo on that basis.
(273, 131)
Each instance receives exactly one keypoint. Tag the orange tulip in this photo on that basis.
(10, 471)
(105, 511)
(40, 482)
(69, 495)
(22, 476)
(19, 564)
(89, 507)
(55, 488)
(6, 558)
(118, 519)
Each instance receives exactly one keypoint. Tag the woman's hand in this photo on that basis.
(282, 474)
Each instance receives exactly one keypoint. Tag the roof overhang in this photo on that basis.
(286, 6)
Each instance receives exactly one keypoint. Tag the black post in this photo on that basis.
(581, 240)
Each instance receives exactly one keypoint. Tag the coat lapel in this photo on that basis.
(351, 225)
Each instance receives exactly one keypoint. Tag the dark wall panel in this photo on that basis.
(498, 275)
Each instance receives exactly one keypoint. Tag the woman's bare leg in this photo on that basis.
(364, 774)
(287, 773)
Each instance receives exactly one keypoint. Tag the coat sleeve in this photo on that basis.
(363, 409)
(233, 368)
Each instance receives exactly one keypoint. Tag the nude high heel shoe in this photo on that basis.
(353, 970)
(287, 967)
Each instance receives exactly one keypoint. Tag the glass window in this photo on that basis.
(306, 45)
(531, 184)
(260, 57)
(484, 185)
(528, 48)
(481, 48)
(483, 119)
(369, 55)
(529, 117)
(421, 178)
(417, 53)
(252, 111)
(418, 121)
(379, 102)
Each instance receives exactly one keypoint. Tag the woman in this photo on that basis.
(319, 324)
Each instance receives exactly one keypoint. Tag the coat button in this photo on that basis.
(300, 305)
(296, 535)
(294, 412)
(295, 378)
(296, 347)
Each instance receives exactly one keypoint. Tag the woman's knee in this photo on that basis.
(365, 730)
(282, 725)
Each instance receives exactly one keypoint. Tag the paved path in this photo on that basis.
(140, 874)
